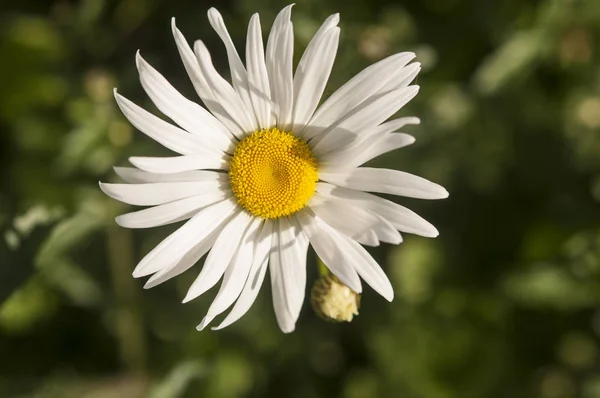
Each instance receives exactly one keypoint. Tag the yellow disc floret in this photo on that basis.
(273, 173)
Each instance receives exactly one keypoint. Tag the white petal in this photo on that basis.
(191, 65)
(313, 71)
(386, 181)
(293, 245)
(281, 20)
(341, 154)
(285, 320)
(171, 212)
(363, 118)
(164, 133)
(200, 84)
(384, 144)
(354, 221)
(344, 254)
(365, 265)
(157, 193)
(220, 255)
(279, 59)
(357, 90)
(356, 156)
(178, 164)
(386, 232)
(258, 79)
(322, 239)
(340, 216)
(186, 237)
(236, 274)
(137, 176)
(255, 278)
(400, 217)
(187, 114)
(239, 76)
(186, 261)
(224, 93)
(409, 73)
(395, 125)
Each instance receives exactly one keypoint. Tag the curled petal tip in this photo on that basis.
(207, 319)
(137, 273)
(148, 285)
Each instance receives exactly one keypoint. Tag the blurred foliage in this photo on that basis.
(505, 303)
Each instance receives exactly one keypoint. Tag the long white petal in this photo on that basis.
(365, 265)
(354, 221)
(346, 254)
(186, 237)
(258, 79)
(164, 133)
(357, 156)
(386, 181)
(236, 274)
(285, 320)
(187, 114)
(178, 164)
(360, 88)
(395, 124)
(224, 93)
(399, 216)
(187, 260)
(279, 60)
(340, 217)
(293, 245)
(313, 71)
(153, 194)
(357, 146)
(220, 255)
(409, 73)
(200, 84)
(255, 278)
(386, 232)
(364, 117)
(137, 176)
(239, 76)
(171, 212)
(322, 239)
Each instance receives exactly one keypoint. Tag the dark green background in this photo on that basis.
(504, 303)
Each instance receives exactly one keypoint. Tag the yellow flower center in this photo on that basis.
(273, 173)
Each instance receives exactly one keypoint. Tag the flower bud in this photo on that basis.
(334, 301)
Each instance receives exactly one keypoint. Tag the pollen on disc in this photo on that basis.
(273, 173)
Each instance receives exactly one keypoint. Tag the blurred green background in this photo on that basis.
(504, 303)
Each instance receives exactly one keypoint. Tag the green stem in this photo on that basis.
(323, 270)
(130, 327)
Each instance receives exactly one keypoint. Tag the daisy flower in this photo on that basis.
(263, 171)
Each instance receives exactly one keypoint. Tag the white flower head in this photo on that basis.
(264, 171)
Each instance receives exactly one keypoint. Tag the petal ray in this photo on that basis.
(258, 79)
(255, 278)
(187, 114)
(169, 213)
(220, 255)
(313, 70)
(186, 237)
(393, 182)
(179, 164)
